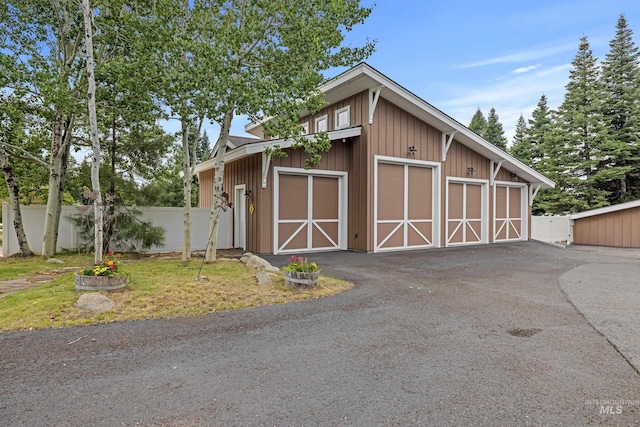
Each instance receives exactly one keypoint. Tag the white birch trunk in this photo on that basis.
(186, 187)
(217, 201)
(93, 127)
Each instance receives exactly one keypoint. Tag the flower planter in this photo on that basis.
(99, 283)
(301, 279)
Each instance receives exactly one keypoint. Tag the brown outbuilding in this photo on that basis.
(401, 175)
(616, 226)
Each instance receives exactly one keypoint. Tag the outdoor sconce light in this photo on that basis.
(412, 150)
(247, 193)
(514, 177)
(471, 171)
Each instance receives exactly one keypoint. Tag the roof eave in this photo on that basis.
(260, 147)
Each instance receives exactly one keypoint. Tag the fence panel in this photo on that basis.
(550, 228)
(168, 218)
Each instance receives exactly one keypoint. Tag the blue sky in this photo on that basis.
(459, 55)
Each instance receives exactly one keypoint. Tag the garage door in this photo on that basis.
(466, 212)
(510, 214)
(404, 216)
(308, 212)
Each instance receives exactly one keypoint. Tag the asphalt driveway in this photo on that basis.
(467, 336)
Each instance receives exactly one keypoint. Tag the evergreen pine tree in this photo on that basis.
(203, 149)
(575, 150)
(494, 132)
(478, 122)
(521, 149)
(619, 170)
(538, 131)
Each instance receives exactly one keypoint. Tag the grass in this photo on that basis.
(158, 288)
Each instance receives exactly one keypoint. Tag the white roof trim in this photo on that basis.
(259, 147)
(439, 120)
(606, 210)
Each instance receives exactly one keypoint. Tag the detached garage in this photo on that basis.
(400, 175)
(616, 226)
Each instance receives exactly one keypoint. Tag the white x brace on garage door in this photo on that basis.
(310, 210)
(406, 204)
(467, 211)
(510, 211)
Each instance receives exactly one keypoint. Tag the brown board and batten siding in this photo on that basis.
(243, 171)
(337, 159)
(391, 134)
(394, 130)
(247, 171)
(618, 229)
(350, 156)
(389, 197)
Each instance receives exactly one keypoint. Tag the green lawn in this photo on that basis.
(157, 288)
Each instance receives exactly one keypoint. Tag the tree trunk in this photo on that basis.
(14, 200)
(49, 239)
(218, 202)
(95, 140)
(64, 165)
(186, 192)
(109, 207)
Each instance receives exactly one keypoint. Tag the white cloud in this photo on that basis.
(522, 70)
(511, 96)
(531, 54)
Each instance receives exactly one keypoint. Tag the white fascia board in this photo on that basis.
(206, 165)
(606, 209)
(446, 123)
(259, 147)
(443, 122)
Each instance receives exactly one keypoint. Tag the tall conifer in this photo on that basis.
(478, 122)
(619, 169)
(580, 133)
(520, 149)
(494, 132)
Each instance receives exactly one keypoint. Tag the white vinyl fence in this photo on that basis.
(168, 218)
(550, 228)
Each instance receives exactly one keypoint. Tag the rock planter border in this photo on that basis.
(99, 283)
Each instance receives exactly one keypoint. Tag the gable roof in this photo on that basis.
(364, 77)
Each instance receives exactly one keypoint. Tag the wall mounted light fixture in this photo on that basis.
(471, 170)
(247, 193)
(412, 150)
(514, 177)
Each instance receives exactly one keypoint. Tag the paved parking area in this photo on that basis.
(467, 336)
(607, 292)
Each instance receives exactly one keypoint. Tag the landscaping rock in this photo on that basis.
(94, 302)
(265, 278)
(55, 261)
(254, 261)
